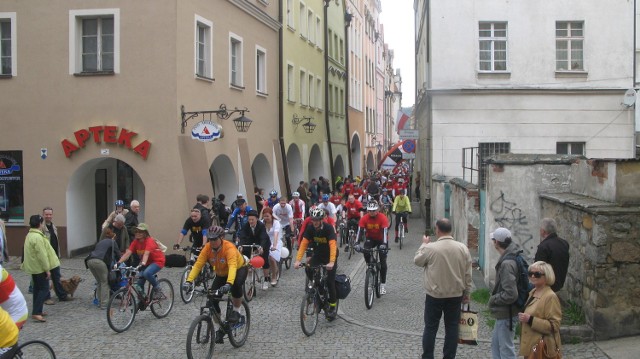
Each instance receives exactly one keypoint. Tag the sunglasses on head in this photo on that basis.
(536, 274)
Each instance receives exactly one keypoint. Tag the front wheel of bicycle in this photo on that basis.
(238, 332)
(201, 338)
(369, 288)
(249, 286)
(287, 261)
(377, 281)
(35, 349)
(309, 314)
(162, 298)
(121, 310)
(185, 294)
(401, 234)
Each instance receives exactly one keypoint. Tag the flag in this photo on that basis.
(401, 121)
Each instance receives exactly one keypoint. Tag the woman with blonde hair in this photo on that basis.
(273, 230)
(542, 313)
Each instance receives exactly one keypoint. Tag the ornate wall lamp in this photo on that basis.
(241, 123)
(309, 126)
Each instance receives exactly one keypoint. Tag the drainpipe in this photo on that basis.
(326, 91)
(347, 20)
(285, 165)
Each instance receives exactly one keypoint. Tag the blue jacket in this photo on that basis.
(242, 218)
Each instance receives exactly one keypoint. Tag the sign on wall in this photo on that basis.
(206, 131)
(106, 134)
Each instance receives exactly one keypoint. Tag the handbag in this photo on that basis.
(539, 350)
(468, 328)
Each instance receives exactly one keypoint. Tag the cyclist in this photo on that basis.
(112, 216)
(12, 300)
(9, 337)
(284, 213)
(236, 203)
(297, 205)
(239, 215)
(375, 230)
(273, 230)
(197, 225)
(329, 206)
(401, 206)
(353, 209)
(231, 272)
(307, 221)
(385, 199)
(398, 186)
(322, 238)
(273, 198)
(255, 232)
(152, 260)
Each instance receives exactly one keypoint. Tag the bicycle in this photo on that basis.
(203, 280)
(289, 240)
(249, 285)
(315, 299)
(352, 242)
(297, 225)
(202, 331)
(386, 210)
(342, 231)
(372, 276)
(34, 349)
(401, 227)
(127, 301)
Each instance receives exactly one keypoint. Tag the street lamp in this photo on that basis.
(241, 123)
(309, 127)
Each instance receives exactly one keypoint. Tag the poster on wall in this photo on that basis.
(11, 190)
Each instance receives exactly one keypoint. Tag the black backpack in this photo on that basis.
(523, 284)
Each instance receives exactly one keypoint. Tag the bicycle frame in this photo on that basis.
(317, 286)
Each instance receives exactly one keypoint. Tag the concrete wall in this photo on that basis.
(465, 213)
(608, 181)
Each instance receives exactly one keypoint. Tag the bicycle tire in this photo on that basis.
(369, 288)
(123, 307)
(401, 235)
(186, 297)
(279, 269)
(35, 349)
(238, 332)
(352, 243)
(376, 277)
(249, 285)
(162, 307)
(287, 261)
(201, 338)
(309, 311)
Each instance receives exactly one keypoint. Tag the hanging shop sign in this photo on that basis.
(206, 131)
(106, 134)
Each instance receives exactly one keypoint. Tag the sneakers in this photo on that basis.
(346, 248)
(265, 285)
(219, 336)
(396, 240)
(233, 317)
(66, 299)
(332, 312)
(157, 294)
(274, 283)
(382, 289)
(49, 302)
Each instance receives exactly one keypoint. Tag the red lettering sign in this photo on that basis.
(108, 134)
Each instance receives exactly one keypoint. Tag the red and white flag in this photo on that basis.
(402, 120)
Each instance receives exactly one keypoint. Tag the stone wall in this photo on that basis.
(604, 263)
(465, 213)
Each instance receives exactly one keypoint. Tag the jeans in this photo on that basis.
(502, 339)
(149, 274)
(433, 309)
(57, 286)
(40, 291)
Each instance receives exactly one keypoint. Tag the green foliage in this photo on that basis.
(481, 295)
(572, 314)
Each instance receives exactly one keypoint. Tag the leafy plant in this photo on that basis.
(572, 314)
(481, 295)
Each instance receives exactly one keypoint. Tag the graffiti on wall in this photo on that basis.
(507, 214)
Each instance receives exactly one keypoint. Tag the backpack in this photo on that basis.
(523, 284)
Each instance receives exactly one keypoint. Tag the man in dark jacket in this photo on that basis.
(201, 204)
(553, 250)
(255, 232)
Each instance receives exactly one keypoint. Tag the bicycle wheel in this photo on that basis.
(249, 286)
(352, 245)
(279, 269)
(287, 261)
(35, 349)
(238, 332)
(186, 296)
(401, 234)
(121, 310)
(369, 288)
(309, 314)
(161, 306)
(376, 276)
(201, 338)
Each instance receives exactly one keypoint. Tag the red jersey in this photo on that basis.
(374, 226)
(298, 208)
(347, 189)
(149, 244)
(335, 199)
(357, 192)
(353, 209)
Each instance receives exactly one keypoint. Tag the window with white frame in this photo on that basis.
(304, 89)
(493, 46)
(330, 100)
(291, 93)
(261, 70)
(318, 32)
(203, 48)
(570, 148)
(8, 44)
(312, 28)
(302, 16)
(312, 91)
(94, 41)
(570, 46)
(319, 94)
(290, 14)
(235, 60)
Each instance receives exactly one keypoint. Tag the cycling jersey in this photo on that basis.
(272, 201)
(323, 242)
(375, 227)
(307, 221)
(353, 209)
(335, 199)
(283, 213)
(11, 299)
(149, 244)
(386, 200)
(9, 331)
(401, 204)
(198, 230)
(330, 207)
(298, 208)
(241, 216)
(226, 261)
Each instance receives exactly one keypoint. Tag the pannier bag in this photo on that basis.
(343, 286)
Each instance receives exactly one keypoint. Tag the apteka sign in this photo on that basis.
(108, 134)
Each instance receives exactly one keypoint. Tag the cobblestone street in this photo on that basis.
(392, 328)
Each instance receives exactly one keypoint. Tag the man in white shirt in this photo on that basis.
(329, 207)
(284, 213)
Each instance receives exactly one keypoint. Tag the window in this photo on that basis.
(331, 101)
(203, 48)
(486, 150)
(291, 93)
(302, 16)
(11, 186)
(318, 93)
(235, 60)
(493, 46)
(312, 28)
(318, 32)
(261, 70)
(312, 90)
(303, 88)
(569, 46)
(94, 41)
(290, 14)
(8, 44)
(570, 148)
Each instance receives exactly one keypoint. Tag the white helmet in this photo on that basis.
(317, 213)
(295, 194)
(372, 206)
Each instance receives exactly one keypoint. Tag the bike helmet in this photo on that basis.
(385, 190)
(273, 193)
(215, 232)
(317, 213)
(119, 203)
(401, 180)
(295, 194)
(372, 206)
(325, 197)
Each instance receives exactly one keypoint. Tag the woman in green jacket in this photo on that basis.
(39, 259)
